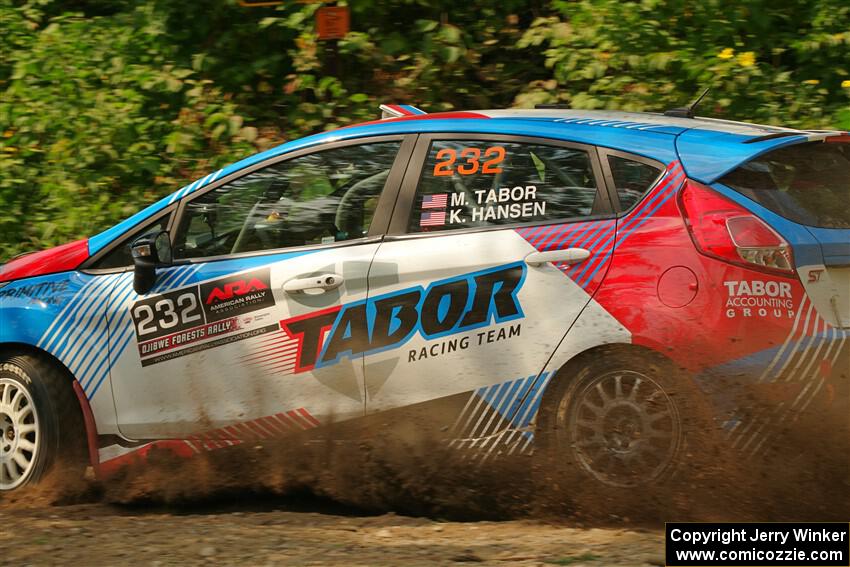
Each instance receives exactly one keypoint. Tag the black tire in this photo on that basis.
(614, 433)
(59, 434)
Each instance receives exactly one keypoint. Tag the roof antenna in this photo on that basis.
(687, 111)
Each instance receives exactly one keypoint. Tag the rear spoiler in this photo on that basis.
(708, 155)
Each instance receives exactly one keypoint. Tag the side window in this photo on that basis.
(632, 179)
(323, 197)
(120, 256)
(476, 183)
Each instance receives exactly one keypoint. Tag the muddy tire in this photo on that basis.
(41, 424)
(614, 435)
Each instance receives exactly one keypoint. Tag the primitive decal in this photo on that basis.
(387, 321)
(172, 324)
(45, 292)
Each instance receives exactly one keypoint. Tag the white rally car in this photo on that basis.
(591, 276)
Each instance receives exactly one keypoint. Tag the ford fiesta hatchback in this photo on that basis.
(572, 281)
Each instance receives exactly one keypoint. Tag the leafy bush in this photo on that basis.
(96, 119)
(110, 104)
(765, 61)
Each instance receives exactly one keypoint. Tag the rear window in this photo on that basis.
(805, 183)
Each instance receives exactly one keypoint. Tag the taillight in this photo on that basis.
(725, 230)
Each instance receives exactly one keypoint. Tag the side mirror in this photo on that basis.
(149, 252)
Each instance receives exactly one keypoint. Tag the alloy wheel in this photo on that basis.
(19, 434)
(624, 429)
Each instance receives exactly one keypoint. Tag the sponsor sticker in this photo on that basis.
(200, 317)
(237, 295)
(46, 292)
(456, 305)
(757, 298)
(212, 344)
(189, 336)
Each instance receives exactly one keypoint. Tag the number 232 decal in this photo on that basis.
(470, 161)
(175, 311)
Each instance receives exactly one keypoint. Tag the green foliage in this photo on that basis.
(95, 120)
(108, 105)
(779, 62)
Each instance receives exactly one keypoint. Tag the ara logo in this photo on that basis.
(237, 295)
(388, 321)
(231, 290)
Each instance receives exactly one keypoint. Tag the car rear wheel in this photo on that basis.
(617, 429)
(40, 422)
(621, 426)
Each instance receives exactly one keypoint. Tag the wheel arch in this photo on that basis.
(563, 375)
(11, 349)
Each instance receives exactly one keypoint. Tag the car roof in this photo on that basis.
(708, 148)
(636, 120)
(656, 121)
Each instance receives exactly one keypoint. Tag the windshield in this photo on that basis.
(806, 183)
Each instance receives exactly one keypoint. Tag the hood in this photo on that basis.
(59, 259)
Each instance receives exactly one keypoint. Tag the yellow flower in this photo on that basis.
(727, 53)
(747, 59)
(812, 82)
(845, 84)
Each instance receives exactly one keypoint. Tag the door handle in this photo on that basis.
(314, 284)
(569, 256)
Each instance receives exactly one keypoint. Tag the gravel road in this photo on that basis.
(289, 506)
(99, 534)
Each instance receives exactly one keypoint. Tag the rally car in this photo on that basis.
(563, 281)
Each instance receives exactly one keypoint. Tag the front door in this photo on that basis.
(216, 345)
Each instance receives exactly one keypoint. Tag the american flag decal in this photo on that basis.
(434, 218)
(435, 201)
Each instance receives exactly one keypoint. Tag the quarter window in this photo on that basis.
(632, 179)
(476, 183)
(320, 198)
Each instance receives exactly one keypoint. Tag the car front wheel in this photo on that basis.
(40, 421)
